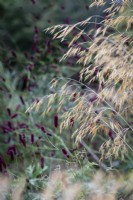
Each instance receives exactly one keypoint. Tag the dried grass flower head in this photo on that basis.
(106, 103)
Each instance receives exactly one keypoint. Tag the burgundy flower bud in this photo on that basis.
(13, 54)
(9, 112)
(33, 2)
(38, 126)
(25, 80)
(32, 139)
(5, 129)
(43, 129)
(42, 162)
(14, 115)
(49, 134)
(74, 97)
(22, 139)
(22, 125)
(72, 122)
(10, 125)
(111, 135)
(65, 153)
(22, 100)
(56, 124)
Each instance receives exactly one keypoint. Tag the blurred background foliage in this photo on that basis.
(29, 60)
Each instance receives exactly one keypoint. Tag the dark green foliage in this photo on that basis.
(29, 61)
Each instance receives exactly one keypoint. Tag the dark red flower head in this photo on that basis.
(65, 153)
(32, 138)
(12, 151)
(42, 162)
(22, 139)
(56, 123)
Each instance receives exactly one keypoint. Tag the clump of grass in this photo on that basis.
(105, 104)
(64, 185)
